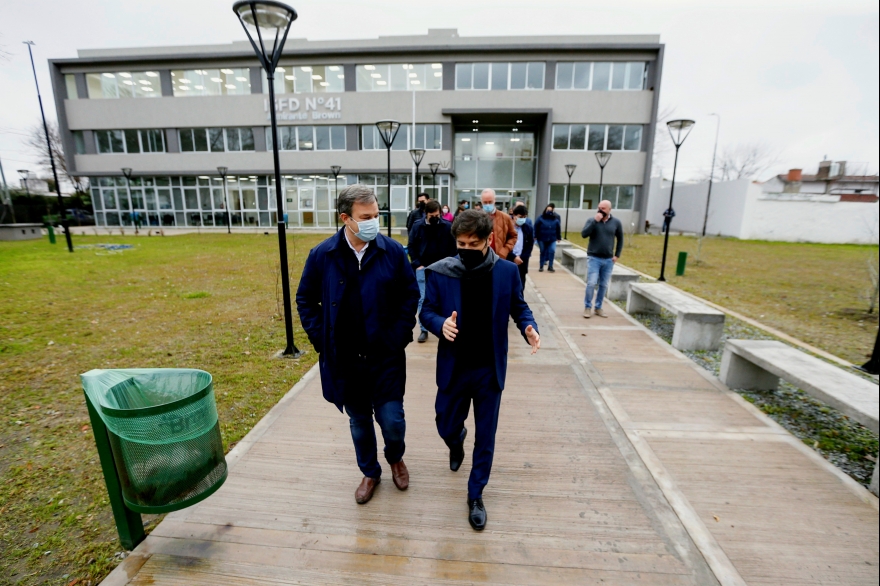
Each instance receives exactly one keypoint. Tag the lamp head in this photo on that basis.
(434, 167)
(23, 173)
(335, 169)
(127, 172)
(388, 130)
(222, 171)
(570, 170)
(679, 130)
(417, 155)
(269, 22)
(603, 158)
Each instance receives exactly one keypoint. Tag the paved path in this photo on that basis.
(618, 461)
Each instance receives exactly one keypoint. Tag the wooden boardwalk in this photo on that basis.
(618, 461)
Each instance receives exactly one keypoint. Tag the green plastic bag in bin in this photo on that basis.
(164, 433)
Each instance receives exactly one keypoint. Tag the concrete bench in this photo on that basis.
(759, 364)
(560, 248)
(697, 326)
(575, 260)
(621, 277)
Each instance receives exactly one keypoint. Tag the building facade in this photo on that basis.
(500, 112)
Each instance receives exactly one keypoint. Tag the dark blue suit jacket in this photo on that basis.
(389, 295)
(443, 296)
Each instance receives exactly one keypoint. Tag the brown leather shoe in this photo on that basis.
(400, 475)
(364, 492)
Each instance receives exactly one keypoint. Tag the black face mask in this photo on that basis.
(434, 220)
(471, 258)
(422, 206)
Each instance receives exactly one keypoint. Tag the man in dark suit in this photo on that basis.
(469, 300)
(525, 242)
(430, 240)
(357, 301)
(418, 213)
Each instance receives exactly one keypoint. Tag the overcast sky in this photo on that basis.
(799, 76)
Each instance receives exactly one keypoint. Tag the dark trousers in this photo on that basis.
(452, 405)
(523, 271)
(390, 418)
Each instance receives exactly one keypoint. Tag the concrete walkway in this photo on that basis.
(618, 461)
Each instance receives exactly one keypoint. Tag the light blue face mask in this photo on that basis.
(467, 205)
(368, 230)
(520, 221)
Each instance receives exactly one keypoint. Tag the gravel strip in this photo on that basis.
(845, 443)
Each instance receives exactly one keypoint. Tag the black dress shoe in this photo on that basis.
(423, 337)
(477, 515)
(456, 454)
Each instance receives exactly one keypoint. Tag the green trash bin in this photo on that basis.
(163, 432)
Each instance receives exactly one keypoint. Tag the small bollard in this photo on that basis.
(51, 234)
(682, 262)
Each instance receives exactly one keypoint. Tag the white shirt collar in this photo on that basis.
(363, 251)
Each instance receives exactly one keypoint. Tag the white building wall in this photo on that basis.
(828, 222)
(726, 208)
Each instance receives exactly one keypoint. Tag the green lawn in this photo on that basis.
(814, 292)
(200, 301)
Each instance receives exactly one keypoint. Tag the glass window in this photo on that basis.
(427, 136)
(306, 141)
(195, 140)
(601, 76)
(582, 75)
(337, 138)
(560, 136)
(632, 140)
(399, 77)
(618, 76)
(578, 137)
(233, 142)
(481, 76)
(557, 195)
(372, 141)
(322, 138)
(123, 84)
(110, 141)
(132, 142)
(591, 197)
(247, 138)
(215, 140)
(210, 82)
(596, 140)
(615, 137)
(463, 75)
(536, 76)
(625, 197)
(70, 84)
(499, 75)
(186, 140)
(305, 79)
(635, 76)
(564, 75)
(79, 142)
(153, 141)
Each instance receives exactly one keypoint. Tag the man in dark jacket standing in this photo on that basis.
(418, 213)
(525, 242)
(485, 292)
(430, 240)
(602, 253)
(548, 231)
(357, 301)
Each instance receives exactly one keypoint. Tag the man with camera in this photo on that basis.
(602, 253)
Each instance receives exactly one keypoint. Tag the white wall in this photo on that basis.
(768, 218)
(725, 209)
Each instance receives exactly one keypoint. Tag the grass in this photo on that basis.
(814, 292)
(201, 301)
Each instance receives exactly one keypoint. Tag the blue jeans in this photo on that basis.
(391, 420)
(598, 276)
(548, 252)
(420, 279)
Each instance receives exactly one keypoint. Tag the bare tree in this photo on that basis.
(745, 161)
(36, 142)
(663, 147)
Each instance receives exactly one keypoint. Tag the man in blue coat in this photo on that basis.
(469, 299)
(357, 302)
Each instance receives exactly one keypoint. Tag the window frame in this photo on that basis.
(414, 83)
(623, 149)
(508, 75)
(615, 65)
(141, 135)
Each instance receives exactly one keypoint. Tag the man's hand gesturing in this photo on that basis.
(449, 327)
(534, 338)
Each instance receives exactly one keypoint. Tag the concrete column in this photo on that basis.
(352, 140)
(542, 183)
(256, 74)
(82, 86)
(349, 70)
(446, 138)
(739, 373)
(172, 141)
(89, 139)
(165, 83)
(259, 138)
(448, 75)
(550, 75)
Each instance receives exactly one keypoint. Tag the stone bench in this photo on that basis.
(621, 277)
(575, 260)
(561, 247)
(759, 364)
(697, 326)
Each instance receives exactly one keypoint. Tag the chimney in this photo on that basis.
(795, 175)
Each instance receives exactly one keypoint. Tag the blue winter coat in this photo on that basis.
(443, 296)
(389, 295)
(548, 229)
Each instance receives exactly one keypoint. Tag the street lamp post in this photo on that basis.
(51, 154)
(602, 158)
(23, 173)
(271, 21)
(223, 171)
(678, 130)
(712, 173)
(127, 172)
(388, 131)
(417, 156)
(336, 169)
(570, 170)
(434, 167)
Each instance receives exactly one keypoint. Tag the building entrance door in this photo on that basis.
(503, 161)
(307, 206)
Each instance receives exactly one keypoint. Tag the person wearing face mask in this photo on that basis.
(602, 230)
(469, 300)
(525, 242)
(430, 240)
(357, 301)
(446, 215)
(548, 231)
(418, 213)
(503, 226)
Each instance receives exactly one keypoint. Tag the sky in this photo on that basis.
(798, 77)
